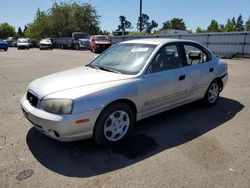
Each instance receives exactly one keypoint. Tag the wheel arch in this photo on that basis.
(125, 101)
(219, 80)
(129, 102)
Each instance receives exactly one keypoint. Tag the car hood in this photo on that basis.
(83, 39)
(73, 78)
(45, 43)
(103, 42)
(21, 43)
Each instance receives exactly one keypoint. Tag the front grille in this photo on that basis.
(32, 99)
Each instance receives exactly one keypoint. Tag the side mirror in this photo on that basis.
(194, 55)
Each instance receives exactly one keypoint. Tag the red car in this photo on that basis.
(99, 43)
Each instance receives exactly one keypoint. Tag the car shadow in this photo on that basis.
(150, 137)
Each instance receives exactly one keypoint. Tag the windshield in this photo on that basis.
(80, 36)
(102, 39)
(22, 41)
(125, 58)
(45, 40)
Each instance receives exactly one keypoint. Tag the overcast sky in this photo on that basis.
(194, 12)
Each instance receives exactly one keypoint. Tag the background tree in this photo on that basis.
(145, 22)
(40, 28)
(105, 32)
(213, 27)
(230, 25)
(124, 24)
(63, 19)
(151, 26)
(6, 30)
(175, 23)
(147, 26)
(20, 32)
(239, 24)
(200, 30)
(24, 30)
(248, 24)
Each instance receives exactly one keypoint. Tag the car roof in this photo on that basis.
(156, 41)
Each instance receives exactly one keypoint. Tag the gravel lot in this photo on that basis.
(191, 146)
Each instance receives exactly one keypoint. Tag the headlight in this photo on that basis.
(57, 106)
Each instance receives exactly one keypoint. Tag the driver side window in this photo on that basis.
(167, 58)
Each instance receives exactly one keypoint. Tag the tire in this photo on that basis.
(76, 46)
(212, 94)
(18, 48)
(96, 50)
(5, 49)
(114, 124)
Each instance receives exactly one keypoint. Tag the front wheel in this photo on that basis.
(114, 124)
(212, 94)
(5, 49)
(77, 47)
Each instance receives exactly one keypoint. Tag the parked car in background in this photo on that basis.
(45, 44)
(3, 45)
(23, 44)
(99, 43)
(78, 40)
(13, 43)
(131, 81)
(33, 43)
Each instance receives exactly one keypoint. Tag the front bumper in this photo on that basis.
(60, 127)
(84, 45)
(23, 46)
(45, 46)
(102, 47)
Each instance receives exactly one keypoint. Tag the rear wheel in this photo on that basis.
(212, 94)
(6, 49)
(114, 124)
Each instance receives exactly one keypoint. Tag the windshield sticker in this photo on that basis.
(139, 50)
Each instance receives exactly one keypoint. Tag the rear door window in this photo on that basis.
(195, 54)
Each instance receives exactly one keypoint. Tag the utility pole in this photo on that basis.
(140, 15)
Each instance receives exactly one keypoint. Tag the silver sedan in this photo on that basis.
(130, 81)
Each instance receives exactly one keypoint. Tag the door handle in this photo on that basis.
(182, 77)
(211, 70)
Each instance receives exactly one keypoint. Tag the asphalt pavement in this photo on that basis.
(191, 146)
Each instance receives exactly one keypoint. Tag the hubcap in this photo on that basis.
(213, 93)
(116, 126)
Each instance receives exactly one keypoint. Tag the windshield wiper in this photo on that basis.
(92, 66)
(109, 69)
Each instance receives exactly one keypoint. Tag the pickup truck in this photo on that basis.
(99, 43)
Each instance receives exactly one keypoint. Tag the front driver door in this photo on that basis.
(165, 80)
